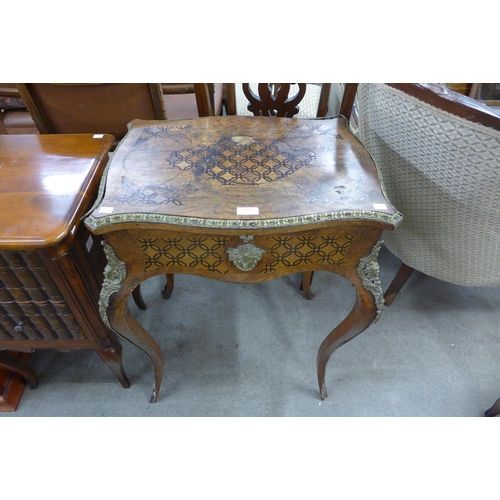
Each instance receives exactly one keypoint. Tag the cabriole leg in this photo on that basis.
(112, 356)
(367, 309)
(115, 314)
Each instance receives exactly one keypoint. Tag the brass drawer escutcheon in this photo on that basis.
(245, 257)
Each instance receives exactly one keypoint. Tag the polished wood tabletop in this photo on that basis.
(245, 200)
(44, 181)
(241, 172)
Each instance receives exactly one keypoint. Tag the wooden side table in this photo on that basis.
(246, 200)
(51, 267)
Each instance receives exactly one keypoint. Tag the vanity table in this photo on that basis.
(243, 200)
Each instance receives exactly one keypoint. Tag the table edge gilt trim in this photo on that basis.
(94, 223)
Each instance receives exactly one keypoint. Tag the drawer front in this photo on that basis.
(262, 256)
(31, 306)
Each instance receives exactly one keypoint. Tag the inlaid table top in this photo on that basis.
(241, 172)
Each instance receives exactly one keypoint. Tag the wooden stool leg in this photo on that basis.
(169, 286)
(305, 284)
(494, 410)
(10, 363)
(397, 283)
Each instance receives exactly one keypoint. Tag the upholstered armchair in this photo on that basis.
(438, 153)
(441, 169)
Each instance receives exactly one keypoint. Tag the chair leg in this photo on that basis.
(169, 286)
(139, 301)
(305, 284)
(397, 283)
(494, 410)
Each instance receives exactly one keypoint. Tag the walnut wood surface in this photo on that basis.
(321, 207)
(206, 168)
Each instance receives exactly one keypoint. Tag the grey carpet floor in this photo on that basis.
(250, 350)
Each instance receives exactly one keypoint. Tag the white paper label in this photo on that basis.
(247, 210)
(380, 206)
(98, 136)
(106, 210)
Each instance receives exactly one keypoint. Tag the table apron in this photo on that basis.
(240, 258)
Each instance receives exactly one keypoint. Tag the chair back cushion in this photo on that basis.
(442, 172)
(94, 108)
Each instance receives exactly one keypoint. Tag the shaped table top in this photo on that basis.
(237, 172)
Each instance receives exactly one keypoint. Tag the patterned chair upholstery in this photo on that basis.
(439, 156)
(442, 172)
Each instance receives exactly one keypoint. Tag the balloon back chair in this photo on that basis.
(299, 100)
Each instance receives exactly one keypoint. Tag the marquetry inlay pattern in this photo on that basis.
(209, 253)
(184, 252)
(242, 160)
(291, 251)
